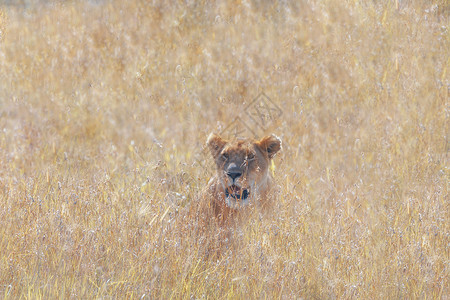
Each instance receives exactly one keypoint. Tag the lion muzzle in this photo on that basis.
(237, 192)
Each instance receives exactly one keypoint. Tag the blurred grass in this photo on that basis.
(104, 105)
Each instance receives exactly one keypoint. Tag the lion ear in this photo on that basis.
(215, 144)
(270, 144)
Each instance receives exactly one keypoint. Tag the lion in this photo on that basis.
(242, 173)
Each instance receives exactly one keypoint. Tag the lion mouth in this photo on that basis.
(237, 192)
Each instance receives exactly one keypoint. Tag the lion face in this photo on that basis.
(242, 167)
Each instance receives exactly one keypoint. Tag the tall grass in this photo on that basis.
(104, 106)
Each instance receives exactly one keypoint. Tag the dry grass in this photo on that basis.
(103, 105)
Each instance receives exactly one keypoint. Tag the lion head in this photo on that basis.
(242, 167)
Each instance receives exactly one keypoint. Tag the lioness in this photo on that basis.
(242, 172)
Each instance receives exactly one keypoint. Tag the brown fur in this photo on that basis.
(247, 160)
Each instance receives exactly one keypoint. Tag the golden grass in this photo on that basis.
(104, 105)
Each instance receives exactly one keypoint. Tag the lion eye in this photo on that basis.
(225, 156)
(250, 156)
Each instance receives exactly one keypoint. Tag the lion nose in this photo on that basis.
(234, 172)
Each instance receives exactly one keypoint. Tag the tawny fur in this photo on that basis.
(248, 158)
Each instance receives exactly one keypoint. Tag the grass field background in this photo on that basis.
(106, 105)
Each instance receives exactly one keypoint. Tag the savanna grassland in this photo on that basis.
(105, 107)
